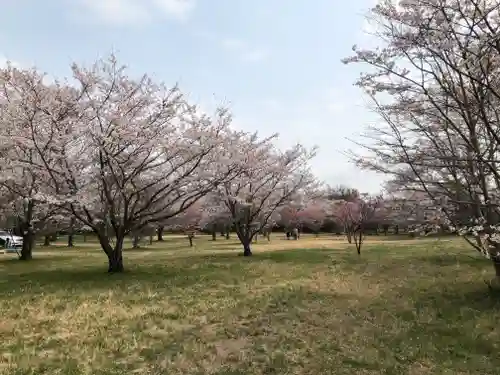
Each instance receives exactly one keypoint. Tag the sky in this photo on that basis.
(275, 63)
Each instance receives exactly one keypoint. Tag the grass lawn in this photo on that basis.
(297, 307)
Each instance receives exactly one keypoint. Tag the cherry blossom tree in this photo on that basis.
(267, 179)
(433, 81)
(363, 211)
(187, 221)
(132, 154)
(290, 218)
(215, 216)
(313, 215)
(343, 213)
(27, 104)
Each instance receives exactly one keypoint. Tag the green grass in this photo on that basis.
(407, 307)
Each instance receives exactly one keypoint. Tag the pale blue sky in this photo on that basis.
(277, 62)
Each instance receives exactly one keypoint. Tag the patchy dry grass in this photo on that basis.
(408, 307)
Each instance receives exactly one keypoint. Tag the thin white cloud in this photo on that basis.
(244, 51)
(255, 55)
(179, 9)
(134, 12)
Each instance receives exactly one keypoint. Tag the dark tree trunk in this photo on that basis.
(268, 235)
(84, 237)
(190, 241)
(349, 237)
(396, 229)
(27, 233)
(115, 261)
(71, 232)
(151, 239)
(214, 236)
(115, 254)
(27, 249)
(160, 234)
(246, 250)
(358, 240)
(46, 241)
(228, 235)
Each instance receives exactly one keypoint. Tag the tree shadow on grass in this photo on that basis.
(293, 256)
(179, 274)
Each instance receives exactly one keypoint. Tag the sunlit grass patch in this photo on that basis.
(397, 309)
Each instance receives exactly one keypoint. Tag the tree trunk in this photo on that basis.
(84, 237)
(246, 249)
(160, 234)
(268, 235)
(228, 235)
(27, 249)
(358, 240)
(349, 237)
(115, 261)
(71, 232)
(46, 241)
(396, 229)
(114, 254)
(151, 239)
(190, 241)
(135, 243)
(214, 236)
(27, 233)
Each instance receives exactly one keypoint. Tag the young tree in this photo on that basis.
(433, 83)
(343, 212)
(133, 153)
(267, 180)
(363, 211)
(188, 221)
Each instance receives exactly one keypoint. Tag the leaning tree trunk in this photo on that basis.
(349, 237)
(358, 240)
(160, 234)
(46, 241)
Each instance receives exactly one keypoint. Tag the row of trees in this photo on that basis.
(434, 81)
(119, 155)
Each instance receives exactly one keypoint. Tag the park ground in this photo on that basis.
(296, 307)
